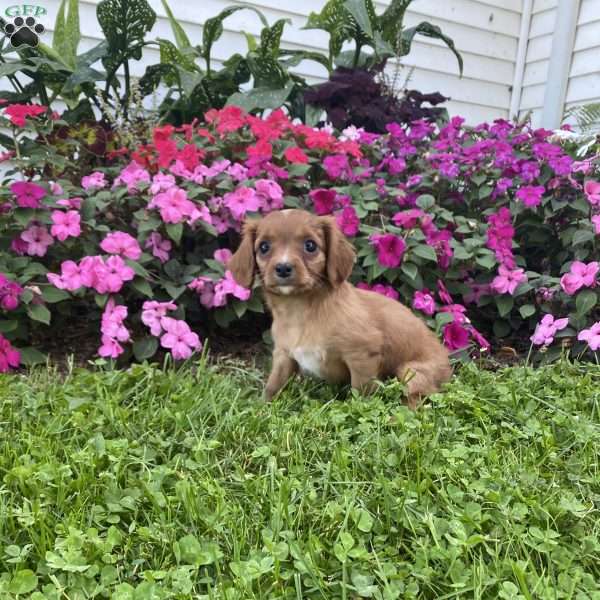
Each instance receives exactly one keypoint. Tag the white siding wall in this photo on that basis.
(584, 77)
(485, 32)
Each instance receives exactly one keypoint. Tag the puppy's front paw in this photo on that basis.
(268, 394)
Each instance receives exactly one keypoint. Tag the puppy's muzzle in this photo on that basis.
(284, 271)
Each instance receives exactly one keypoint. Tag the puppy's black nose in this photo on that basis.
(283, 270)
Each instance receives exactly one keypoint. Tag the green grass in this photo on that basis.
(148, 484)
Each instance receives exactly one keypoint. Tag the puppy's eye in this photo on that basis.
(310, 246)
(264, 247)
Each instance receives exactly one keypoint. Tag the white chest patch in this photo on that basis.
(310, 360)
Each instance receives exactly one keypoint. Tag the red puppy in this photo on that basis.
(322, 324)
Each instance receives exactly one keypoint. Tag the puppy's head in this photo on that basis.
(294, 252)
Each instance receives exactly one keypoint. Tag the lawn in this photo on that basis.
(148, 484)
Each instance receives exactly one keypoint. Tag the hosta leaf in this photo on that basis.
(335, 20)
(297, 56)
(432, 31)
(170, 55)
(151, 79)
(364, 15)
(391, 22)
(266, 70)
(270, 38)
(181, 38)
(66, 31)
(124, 24)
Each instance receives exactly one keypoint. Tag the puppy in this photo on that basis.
(324, 326)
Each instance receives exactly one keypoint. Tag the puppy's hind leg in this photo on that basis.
(423, 378)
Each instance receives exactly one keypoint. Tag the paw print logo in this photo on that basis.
(24, 32)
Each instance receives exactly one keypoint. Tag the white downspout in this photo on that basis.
(517, 87)
(559, 65)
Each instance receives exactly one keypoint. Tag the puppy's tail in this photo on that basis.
(424, 377)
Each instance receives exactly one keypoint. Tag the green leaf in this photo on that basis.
(143, 287)
(425, 201)
(586, 300)
(410, 270)
(581, 236)
(359, 9)
(261, 98)
(38, 312)
(527, 310)
(488, 261)
(460, 253)
(213, 29)
(175, 231)
(52, 294)
(23, 582)
(270, 38)
(30, 356)
(170, 55)
(365, 521)
(432, 31)
(181, 38)
(67, 34)
(125, 24)
(504, 304)
(391, 23)
(145, 348)
(426, 252)
(8, 326)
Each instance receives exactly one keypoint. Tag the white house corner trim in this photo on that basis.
(521, 60)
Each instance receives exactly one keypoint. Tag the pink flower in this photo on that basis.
(223, 255)
(348, 221)
(295, 155)
(323, 200)
(443, 293)
(507, 281)
(160, 246)
(110, 348)
(69, 278)
(580, 275)
(28, 194)
(455, 336)
(229, 286)
(73, 203)
(66, 224)
(131, 176)
(205, 288)
(174, 205)
(122, 244)
(424, 302)
(591, 336)
(592, 192)
(10, 292)
(596, 223)
(237, 171)
(337, 166)
(390, 249)
(269, 193)
(161, 182)
(380, 288)
(90, 270)
(112, 321)
(111, 276)
(179, 338)
(546, 330)
(37, 240)
(409, 218)
(242, 201)
(9, 357)
(152, 314)
(94, 180)
(531, 195)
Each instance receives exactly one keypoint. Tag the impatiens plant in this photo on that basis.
(488, 232)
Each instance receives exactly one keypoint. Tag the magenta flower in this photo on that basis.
(348, 221)
(591, 336)
(596, 222)
(69, 278)
(424, 302)
(390, 249)
(546, 330)
(241, 201)
(122, 244)
(70, 203)
(93, 180)
(380, 288)
(269, 194)
(443, 293)
(223, 255)
(455, 336)
(507, 281)
(323, 200)
(160, 246)
(337, 166)
(531, 195)
(9, 357)
(179, 338)
(131, 176)
(580, 275)
(10, 292)
(28, 194)
(111, 275)
(205, 288)
(409, 218)
(66, 224)
(592, 192)
(37, 240)
(152, 314)
(173, 204)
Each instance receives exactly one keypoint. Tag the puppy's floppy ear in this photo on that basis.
(242, 264)
(340, 252)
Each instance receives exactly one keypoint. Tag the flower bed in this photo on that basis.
(488, 232)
